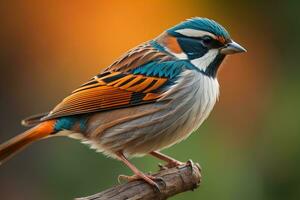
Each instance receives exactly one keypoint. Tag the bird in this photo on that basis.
(152, 97)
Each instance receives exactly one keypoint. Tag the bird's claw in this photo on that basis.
(173, 164)
(148, 178)
(176, 163)
(170, 165)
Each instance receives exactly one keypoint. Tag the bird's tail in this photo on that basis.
(19, 142)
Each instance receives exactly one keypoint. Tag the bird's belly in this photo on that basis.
(142, 129)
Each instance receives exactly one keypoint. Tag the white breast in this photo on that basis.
(197, 94)
(205, 99)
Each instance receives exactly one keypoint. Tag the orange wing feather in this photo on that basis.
(115, 87)
(115, 90)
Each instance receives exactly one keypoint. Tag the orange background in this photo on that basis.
(48, 48)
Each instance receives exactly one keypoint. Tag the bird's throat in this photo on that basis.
(213, 67)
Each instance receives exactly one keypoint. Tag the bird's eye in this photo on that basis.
(207, 41)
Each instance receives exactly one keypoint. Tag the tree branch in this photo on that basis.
(175, 180)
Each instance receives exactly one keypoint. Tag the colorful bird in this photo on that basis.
(154, 96)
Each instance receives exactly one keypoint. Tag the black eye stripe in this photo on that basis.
(214, 43)
(211, 42)
(192, 47)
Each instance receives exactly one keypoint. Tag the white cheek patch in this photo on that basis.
(194, 33)
(203, 62)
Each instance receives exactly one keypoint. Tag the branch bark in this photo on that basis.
(174, 181)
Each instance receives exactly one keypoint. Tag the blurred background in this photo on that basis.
(249, 148)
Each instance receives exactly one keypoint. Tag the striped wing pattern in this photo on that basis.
(117, 86)
(110, 91)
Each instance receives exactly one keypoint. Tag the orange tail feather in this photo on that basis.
(18, 143)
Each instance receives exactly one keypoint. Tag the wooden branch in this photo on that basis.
(175, 180)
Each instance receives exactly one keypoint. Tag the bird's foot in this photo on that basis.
(171, 164)
(148, 178)
(176, 163)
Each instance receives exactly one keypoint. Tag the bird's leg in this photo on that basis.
(138, 174)
(171, 162)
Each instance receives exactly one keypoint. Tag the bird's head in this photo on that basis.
(202, 41)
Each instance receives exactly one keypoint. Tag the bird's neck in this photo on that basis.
(214, 66)
(209, 63)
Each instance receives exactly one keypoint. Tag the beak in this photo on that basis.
(232, 48)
